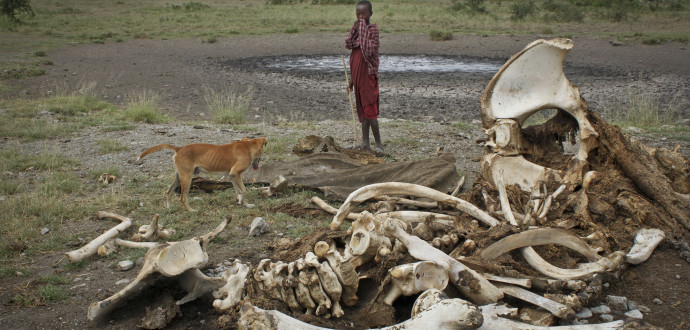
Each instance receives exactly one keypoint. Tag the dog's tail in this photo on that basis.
(158, 148)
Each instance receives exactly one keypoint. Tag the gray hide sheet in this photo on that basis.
(337, 175)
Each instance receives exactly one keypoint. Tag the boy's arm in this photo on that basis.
(352, 41)
(369, 39)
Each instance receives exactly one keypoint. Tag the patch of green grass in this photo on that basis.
(436, 35)
(291, 30)
(211, 40)
(118, 126)
(110, 146)
(112, 170)
(463, 126)
(280, 148)
(643, 111)
(40, 53)
(144, 107)
(228, 107)
(54, 279)
(15, 160)
(52, 294)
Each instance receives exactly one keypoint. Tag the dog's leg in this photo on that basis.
(240, 190)
(171, 190)
(185, 183)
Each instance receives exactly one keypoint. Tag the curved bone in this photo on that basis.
(343, 269)
(231, 293)
(503, 197)
(197, 284)
(409, 279)
(492, 320)
(446, 314)
(178, 257)
(602, 265)
(330, 209)
(557, 309)
(419, 216)
(410, 202)
(400, 188)
(470, 284)
(461, 183)
(427, 299)
(539, 236)
(646, 240)
(92, 247)
(147, 232)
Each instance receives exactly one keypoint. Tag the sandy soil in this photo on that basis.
(180, 70)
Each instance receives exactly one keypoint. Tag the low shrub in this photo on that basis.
(436, 35)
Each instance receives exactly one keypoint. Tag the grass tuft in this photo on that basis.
(229, 107)
(110, 146)
(144, 107)
(436, 35)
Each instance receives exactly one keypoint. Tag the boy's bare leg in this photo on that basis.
(365, 135)
(377, 136)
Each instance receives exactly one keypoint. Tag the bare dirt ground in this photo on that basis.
(179, 70)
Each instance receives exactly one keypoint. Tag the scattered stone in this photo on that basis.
(45, 230)
(476, 122)
(615, 43)
(122, 281)
(634, 130)
(685, 254)
(78, 286)
(580, 322)
(603, 309)
(644, 309)
(677, 277)
(632, 305)
(607, 317)
(618, 303)
(657, 301)
(537, 317)
(259, 227)
(584, 313)
(635, 314)
(125, 265)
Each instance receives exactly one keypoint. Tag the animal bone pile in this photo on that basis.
(466, 257)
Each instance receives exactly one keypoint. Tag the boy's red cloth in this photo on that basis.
(364, 64)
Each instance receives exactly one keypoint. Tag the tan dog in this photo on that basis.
(233, 158)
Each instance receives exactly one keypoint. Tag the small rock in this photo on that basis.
(476, 122)
(585, 313)
(607, 317)
(635, 314)
(634, 130)
(644, 309)
(125, 265)
(657, 301)
(603, 309)
(677, 277)
(122, 281)
(617, 303)
(615, 43)
(45, 231)
(259, 227)
(580, 322)
(632, 305)
(685, 254)
(78, 286)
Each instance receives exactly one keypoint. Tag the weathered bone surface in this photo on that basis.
(540, 236)
(493, 319)
(555, 308)
(475, 287)
(409, 279)
(92, 247)
(231, 293)
(401, 188)
(646, 240)
(523, 282)
(603, 264)
(368, 239)
(153, 231)
(503, 197)
(446, 314)
(343, 269)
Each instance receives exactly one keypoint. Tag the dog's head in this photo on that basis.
(260, 142)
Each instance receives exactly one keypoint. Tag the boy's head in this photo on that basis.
(363, 10)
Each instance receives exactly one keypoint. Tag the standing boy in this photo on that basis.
(363, 40)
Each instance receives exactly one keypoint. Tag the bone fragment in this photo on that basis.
(309, 278)
(604, 264)
(330, 284)
(446, 314)
(557, 309)
(367, 239)
(343, 269)
(409, 279)
(289, 288)
(422, 231)
(545, 207)
(135, 245)
(264, 274)
(419, 216)
(523, 282)
(503, 197)
(427, 299)
(458, 187)
(92, 247)
(330, 209)
(410, 202)
(470, 284)
(492, 320)
(197, 284)
(540, 236)
(147, 232)
(400, 188)
(646, 240)
(231, 293)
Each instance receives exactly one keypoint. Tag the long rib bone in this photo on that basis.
(400, 188)
(492, 320)
(603, 264)
(540, 236)
(503, 197)
(555, 308)
(470, 284)
(92, 247)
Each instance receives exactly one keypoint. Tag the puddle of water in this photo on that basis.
(392, 63)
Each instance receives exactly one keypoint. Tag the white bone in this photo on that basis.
(557, 309)
(309, 278)
(540, 236)
(410, 202)
(523, 282)
(492, 320)
(330, 209)
(503, 197)
(343, 269)
(427, 299)
(232, 292)
(409, 279)
(401, 188)
(470, 284)
(197, 284)
(646, 240)
(367, 240)
(461, 183)
(604, 264)
(147, 232)
(92, 247)
(446, 314)
(330, 284)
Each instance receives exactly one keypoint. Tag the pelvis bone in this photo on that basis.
(532, 80)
